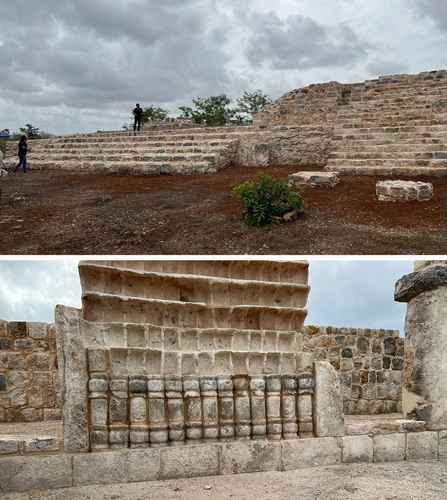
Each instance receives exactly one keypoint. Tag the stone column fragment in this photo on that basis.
(226, 407)
(328, 401)
(118, 413)
(289, 406)
(258, 407)
(175, 409)
(139, 428)
(425, 366)
(193, 408)
(305, 382)
(273, 397)
(242, 407)
(99, 430)
(158, 425)
(208, 393)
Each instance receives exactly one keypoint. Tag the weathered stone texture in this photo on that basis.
(404, 191)
(29, 385)
(426, 343)
(313, 179)
(369, 362)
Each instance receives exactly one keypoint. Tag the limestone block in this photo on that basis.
(328, 401)
(9, 446)
(314, 179)
(314, 452)
(389, 447)
(189, 461)
(422, 445)
(250, 456)
(443, 445)
(38, 331)
(404, 191)
(41, 444)
(27, 473)
(100, 468)
(144, 465)
(73, 365)
(357, 449)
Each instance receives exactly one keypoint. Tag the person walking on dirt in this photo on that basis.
(138, 118)
(22, 152)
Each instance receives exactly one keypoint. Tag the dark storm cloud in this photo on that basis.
(93, 53)
(300, 42)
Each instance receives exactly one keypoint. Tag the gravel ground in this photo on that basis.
(398, 481)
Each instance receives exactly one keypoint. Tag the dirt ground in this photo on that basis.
(69, 213)
(391, 481)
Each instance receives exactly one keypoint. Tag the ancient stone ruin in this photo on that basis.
(186, 368)
(388, 126)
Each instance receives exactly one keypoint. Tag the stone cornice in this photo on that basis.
(413, 284)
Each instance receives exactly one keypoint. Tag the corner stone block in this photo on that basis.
(189, 461)
(327, 401)
(357, 449)
(303, 453)
(100, 468)
(389, 447)
(27, 473)
(422, 446)
(250, 456)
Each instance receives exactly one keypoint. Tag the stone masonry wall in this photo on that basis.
(370, 363)
(28, 372)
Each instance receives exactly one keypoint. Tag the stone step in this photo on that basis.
(191, 288)
(412, 171)
(168, 148)
(148, 138)
(130, 168)
(404, 128)
(403, 154)
(251, 270)
(392, 137)
(391, 147)
(209, 156)
(390, 140)
(373, 162)
(97, 306)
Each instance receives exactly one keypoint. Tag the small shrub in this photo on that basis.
(266, 197)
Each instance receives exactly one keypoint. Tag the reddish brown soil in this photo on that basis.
(61, 213)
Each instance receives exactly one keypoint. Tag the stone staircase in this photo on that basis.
(396, 125)
(171, 151)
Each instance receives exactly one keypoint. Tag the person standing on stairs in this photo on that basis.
(22, 152)
(138, 118)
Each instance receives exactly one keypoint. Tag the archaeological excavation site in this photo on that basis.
(181, 369)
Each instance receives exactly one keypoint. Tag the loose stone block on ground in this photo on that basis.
(404, 191)
(313, 179)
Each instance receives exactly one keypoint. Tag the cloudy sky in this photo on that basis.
(344, 293)
(78, 65)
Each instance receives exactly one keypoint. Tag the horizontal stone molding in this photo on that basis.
(21, 474)
(424, 280)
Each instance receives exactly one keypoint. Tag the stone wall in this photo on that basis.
(279, 146)
(28, 372)
(370, 363)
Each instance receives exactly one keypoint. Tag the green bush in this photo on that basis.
(266, 197)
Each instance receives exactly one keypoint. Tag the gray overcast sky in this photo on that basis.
(78, 65)
(344, 293)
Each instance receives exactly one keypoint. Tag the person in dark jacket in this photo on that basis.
(22, 152)
(138, 118)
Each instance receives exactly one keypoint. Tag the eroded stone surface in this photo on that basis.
(313, 179)
(404, 191)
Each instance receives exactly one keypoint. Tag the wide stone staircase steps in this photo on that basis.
(171, 151)
(395, 126)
